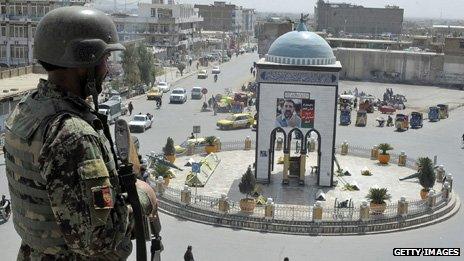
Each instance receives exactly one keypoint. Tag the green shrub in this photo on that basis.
(248, 182)
(169, 148)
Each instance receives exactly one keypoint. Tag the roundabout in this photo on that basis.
(294, 208)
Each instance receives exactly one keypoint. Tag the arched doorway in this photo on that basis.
(273, 138)
(307, 149)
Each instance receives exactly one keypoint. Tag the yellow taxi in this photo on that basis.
(154, 93)
(235, 121)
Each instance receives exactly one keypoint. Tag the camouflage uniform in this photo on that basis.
(63, 182)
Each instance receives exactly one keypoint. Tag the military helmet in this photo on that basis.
(75, 36)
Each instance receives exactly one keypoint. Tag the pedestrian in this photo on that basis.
(65, 148)
(210, 102)
(144, 173)
(188, 256)
(254, 73)
(192, 136)
(198, 64)
(130, 107)
(286, 259)
(251, 69)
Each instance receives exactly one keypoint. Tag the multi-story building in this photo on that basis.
(165, 26)
(18, 21)
(249, 21)
(221, 17)
(268, 31)
(337, 17)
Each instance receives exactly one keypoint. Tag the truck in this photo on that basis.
(112, 109)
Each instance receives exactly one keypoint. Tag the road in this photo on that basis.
(216, 243)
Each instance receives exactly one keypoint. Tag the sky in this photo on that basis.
(447, 9)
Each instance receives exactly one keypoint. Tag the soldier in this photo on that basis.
(60, 160)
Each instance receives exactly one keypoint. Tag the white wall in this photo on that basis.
(325, 98)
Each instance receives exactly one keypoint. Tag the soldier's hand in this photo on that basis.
(150, 193)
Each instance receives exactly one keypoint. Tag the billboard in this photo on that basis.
(295, 110)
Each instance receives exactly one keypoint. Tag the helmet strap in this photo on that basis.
(91, 86)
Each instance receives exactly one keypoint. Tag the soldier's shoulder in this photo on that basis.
(71, 127)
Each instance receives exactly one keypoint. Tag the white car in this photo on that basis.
(164, 86)
(202, 74)
(140, 123)
(216, 70)
(178, 95)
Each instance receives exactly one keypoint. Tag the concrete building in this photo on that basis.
(165, 26)
(269, 31)
(368, 43)
(18, 21)
(349, 18)
(249, 21)
(222, 17)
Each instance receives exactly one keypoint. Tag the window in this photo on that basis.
(3, 30)
(461, 44)
(2, 8)
(2, 51)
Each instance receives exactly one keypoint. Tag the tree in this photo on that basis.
(181, 68)
(427, 174)
(146, 64)
(247, 183)
(130, 59)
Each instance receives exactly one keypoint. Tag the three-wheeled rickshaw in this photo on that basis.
(345, 117)
(434, 114)
(443, 111)
(417, 120)
(401, 122)
(361, 118)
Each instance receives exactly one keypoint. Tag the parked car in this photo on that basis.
(202, 74)
(197, 142)
(216, 70)
(164, 86)
(240, 120)
(196, 94)
(154, 93)
(140, 123)
(178, 95)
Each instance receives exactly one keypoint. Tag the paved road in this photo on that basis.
(216, 243)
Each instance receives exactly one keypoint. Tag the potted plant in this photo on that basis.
(384, 157)
(426, 175)
(377, 197)
(210, 144)
(169, 150)
(247, 186)
(165, 172)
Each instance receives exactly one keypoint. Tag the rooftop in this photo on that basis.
(301, 47)
(11, 87)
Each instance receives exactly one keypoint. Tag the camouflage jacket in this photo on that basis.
(76, 167)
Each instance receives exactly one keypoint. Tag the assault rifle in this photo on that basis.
(130, 164)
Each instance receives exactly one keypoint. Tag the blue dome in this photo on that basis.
(301, 47)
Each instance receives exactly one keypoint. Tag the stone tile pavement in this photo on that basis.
(233, 164)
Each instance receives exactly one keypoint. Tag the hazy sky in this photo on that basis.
(451, 9)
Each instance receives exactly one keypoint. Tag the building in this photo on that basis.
(368, 43)
(18, 21)
(269, 31)
(222, 17)
(356, 19)
(249, 20)
(171, 27)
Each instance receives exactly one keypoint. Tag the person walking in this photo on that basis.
(68, 203)
(130, 107)
(188, 256)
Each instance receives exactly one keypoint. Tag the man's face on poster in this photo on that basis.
(288, 109)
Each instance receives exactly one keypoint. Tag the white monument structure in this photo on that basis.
(297, 99)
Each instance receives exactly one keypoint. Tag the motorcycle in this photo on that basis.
(5, 209)
(158, 103)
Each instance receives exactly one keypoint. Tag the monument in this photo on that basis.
(297, 99)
